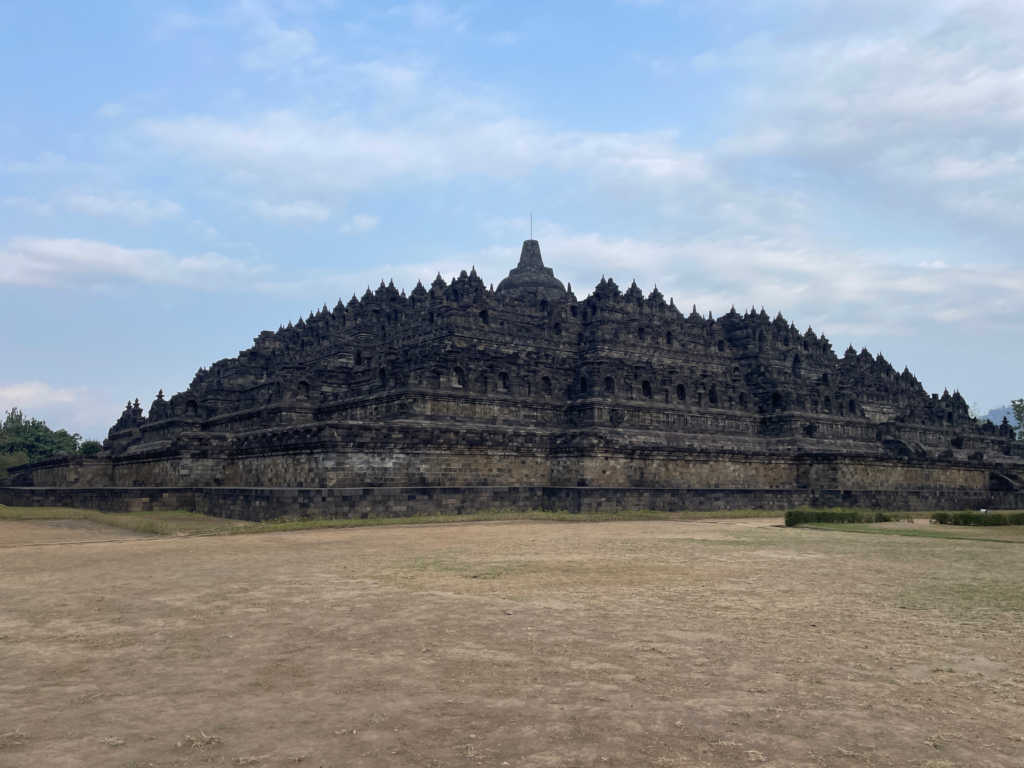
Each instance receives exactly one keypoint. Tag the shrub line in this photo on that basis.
(976, 518)
(803, 515)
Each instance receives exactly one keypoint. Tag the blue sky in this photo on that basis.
(176, 178)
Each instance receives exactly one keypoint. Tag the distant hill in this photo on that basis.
(996, 415)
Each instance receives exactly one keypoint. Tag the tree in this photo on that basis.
(21, 434)
(11, 460)
(90, 448)
(1018, 413)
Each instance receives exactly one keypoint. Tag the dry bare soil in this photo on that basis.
(660, 643)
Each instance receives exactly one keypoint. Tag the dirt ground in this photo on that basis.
(655, 643)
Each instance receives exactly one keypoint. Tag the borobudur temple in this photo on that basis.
(459, 397)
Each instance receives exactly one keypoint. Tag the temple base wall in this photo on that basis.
(472, 462)
(255, 504)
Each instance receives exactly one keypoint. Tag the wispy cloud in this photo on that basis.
(137, 209)
(932, 107)
(111, 111)
(70, 263)
(429, 15)
(30, 393)
(46, 163)
(271, 45)
(76, 409)
(298, 152)
(28, 204)
(298, 211)
(361, 222)
(862, 292)
(276, 47)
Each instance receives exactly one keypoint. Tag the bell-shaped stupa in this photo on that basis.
(531, 277)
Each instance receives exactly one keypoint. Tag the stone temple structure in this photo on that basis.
(459, 396)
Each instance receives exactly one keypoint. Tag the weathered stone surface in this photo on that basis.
(460, 387)
(258, 504)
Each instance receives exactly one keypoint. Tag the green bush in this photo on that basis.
(802, 515)
(976, 518)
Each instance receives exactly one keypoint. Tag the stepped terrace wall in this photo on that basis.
(431, 455)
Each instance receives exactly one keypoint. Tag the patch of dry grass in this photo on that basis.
(497, 515)
(1008, 534)
(151, 523)
(762, 644)
(201, 742)
(15, 738)
(126, 522)
(193, 524)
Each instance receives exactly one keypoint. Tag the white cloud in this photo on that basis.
(33, 393)
(274, 46)
(415, 130)
(65, 263)
(319, 287)
(135, 209)
(27, 204)
(173, 22)
(931, 106)
(859, 293)
(46, 163)
(111, 111)
(77, 409)
(361, 222)
(959, 169)
(300, 210)
(659, 66)
(430, 15)
(341, 154)
(200, 228)
(278, 47)
(389, 75)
